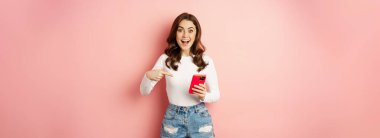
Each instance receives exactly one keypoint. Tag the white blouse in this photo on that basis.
(177, 87)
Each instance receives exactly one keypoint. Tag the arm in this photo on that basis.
(151, 77)
(213, 93)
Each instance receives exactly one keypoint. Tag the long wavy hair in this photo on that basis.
(174, 51)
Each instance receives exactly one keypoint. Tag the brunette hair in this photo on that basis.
(174, 51)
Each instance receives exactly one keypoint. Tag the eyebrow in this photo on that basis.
(187, 28)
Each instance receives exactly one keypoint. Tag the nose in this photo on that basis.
(185, 34)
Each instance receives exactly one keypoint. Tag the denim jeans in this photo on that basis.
(187, 121)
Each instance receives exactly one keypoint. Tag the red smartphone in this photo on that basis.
(196, 80)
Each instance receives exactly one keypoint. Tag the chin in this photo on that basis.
(185, 48)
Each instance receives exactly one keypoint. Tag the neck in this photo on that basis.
(186, 53)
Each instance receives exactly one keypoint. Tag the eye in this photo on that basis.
(179, 30)
(191, 31)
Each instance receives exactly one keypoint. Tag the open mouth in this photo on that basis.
(185, 41)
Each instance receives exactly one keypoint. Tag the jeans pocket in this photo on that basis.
(170, 114)
(203, 112)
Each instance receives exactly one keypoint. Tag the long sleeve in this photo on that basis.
(147, 85)
(213, 94)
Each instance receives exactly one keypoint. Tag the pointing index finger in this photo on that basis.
(167, 73)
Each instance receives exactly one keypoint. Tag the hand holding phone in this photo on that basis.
(196, 80)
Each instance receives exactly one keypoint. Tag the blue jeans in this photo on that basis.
(187, 121)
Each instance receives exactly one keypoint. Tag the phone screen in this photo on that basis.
(196, 80)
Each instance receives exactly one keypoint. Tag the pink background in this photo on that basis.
(287, 69)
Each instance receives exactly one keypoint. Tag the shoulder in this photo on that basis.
(163, 57)
(207, 58)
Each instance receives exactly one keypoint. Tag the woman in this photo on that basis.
(186, 115)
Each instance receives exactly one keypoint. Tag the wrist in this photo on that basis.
(202, 99)
(148, 75)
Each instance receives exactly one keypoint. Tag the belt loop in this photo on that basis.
(196, 107)
(175, 108)
(201, 105)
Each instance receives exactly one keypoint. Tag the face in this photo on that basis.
(185, 36)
